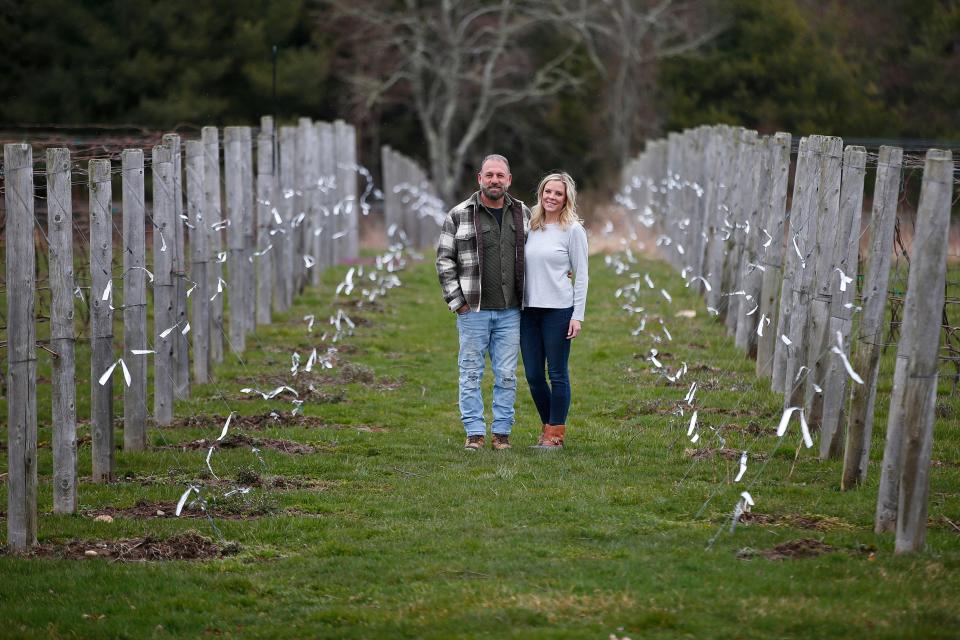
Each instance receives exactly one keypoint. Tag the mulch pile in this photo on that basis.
(189, 545)
(263, 421)
(242, 440)
(789, 550)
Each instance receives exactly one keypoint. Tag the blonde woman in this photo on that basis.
(553, 301)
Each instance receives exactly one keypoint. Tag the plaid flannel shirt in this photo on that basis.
(459, 255)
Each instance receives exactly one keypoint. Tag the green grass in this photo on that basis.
(410, 536)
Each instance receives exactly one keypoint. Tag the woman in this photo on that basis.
(554, 298)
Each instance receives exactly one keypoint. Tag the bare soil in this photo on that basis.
(263, 421)
(789, 550)
(189, 545)
(242, 440)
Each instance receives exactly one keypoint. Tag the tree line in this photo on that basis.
(548, 83)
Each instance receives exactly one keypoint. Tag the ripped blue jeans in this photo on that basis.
(497, 332)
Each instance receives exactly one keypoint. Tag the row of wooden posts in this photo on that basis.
(285, 218)
(411, 204)
(784, 282)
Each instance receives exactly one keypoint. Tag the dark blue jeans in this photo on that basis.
(546, 350)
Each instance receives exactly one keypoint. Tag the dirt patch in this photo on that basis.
(944, 463)
(189, 545)
(145, 510)
(708, 453)
(242, 440)
(798, 521)
(789, 550)
(258, 422)
(218, 509)
(309, 384)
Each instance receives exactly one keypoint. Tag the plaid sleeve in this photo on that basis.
(447, 264)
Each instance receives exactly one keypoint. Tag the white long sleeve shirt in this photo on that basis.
(550, 253)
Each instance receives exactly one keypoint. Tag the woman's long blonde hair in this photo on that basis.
(568, 215)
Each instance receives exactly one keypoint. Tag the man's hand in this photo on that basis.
(463, 309)
(573, 330)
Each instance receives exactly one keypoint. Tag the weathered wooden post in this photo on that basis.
(870, 333)
(744, 142)
(101, 319)
(164, 309)
(717, 230)
(328, 198)
(823, 262)
(213, 221)
(62, 334)
(390, 203)
(298, 227)
(199, 262)
(791, 266)
(265, 203)
(181, 351)
(248, 215)
(703, 163)
(804, 236)
(774, 216)
(287, 257)
(843, 289)
(233, 174)
(751, 277)
(21, 349)
(319, 205)
(134, 300)
(346, 159)
(311, 192)
(913, 405)
(672, 198)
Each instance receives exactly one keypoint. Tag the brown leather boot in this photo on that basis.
(552, 437)
(543, 430)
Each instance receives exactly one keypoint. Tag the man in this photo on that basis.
(480, 265)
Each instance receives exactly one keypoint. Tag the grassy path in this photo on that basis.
(388, 529)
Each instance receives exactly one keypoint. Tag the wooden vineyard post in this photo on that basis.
(62, 334)
(866, 360)
(134, 300)
(825, 248)
(164, 309)
(803, 238)
(233, 177)
(774, 217)
(263, 260)
(199, 261)
(287, 256)
(181, 349)
(21, 349)
(213, 216)
(842, 293)
(915, 402)
(101, 319)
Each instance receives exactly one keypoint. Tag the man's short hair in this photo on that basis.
(495, 156)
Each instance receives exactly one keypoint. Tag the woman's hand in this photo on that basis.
(573, 330)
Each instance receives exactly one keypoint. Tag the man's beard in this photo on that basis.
(489, 192)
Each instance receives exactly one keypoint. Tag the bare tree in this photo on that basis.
(458, 63)
(626, 38)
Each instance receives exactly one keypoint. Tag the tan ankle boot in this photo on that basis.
(543, 430)
(552, 437)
